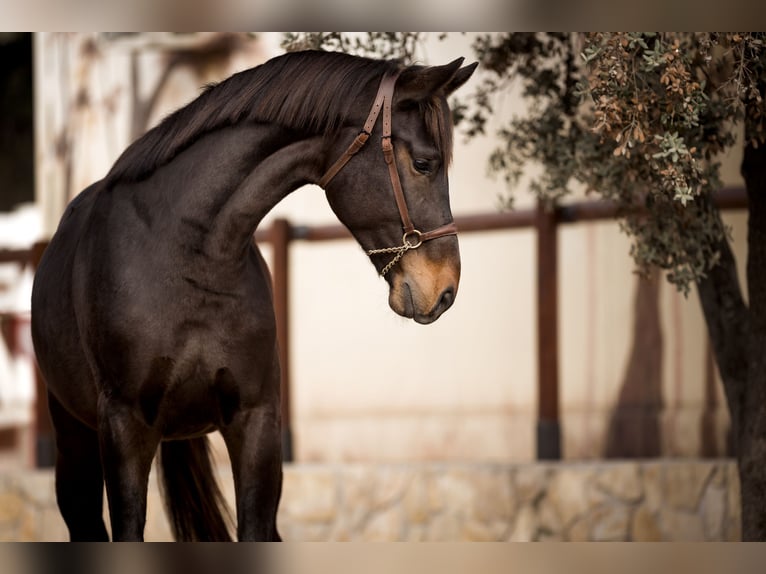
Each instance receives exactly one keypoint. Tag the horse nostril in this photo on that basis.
(444, 302)
(446, 299)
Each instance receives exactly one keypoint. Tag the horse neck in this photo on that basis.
(237, 176)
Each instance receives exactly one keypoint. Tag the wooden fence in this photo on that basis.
(281, 233)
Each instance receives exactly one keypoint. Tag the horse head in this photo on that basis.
(394, 195)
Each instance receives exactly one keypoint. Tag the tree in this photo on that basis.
(641, 119)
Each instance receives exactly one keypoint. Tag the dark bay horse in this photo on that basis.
(152, 315)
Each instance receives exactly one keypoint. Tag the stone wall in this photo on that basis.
(641, 501)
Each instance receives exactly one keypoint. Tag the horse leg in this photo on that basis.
(79, 476)
(128, 446)
(253, 440)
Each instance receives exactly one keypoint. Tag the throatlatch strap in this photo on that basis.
(355, 146)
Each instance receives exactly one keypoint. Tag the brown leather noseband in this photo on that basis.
(412, 238)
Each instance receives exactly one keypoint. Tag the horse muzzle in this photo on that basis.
(422, 289)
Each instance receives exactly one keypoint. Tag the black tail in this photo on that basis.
(195, 506)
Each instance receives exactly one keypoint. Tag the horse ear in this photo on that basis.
(419, 82)
(460, 78)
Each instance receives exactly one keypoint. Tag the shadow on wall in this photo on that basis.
(635, 429)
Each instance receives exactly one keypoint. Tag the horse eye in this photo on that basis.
(422, 165)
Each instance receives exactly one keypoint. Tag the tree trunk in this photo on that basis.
(727, 320)
(738, 337)
(752, 430)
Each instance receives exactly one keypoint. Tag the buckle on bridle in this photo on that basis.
(418, 242)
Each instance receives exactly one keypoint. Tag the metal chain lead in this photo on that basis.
(399, 250)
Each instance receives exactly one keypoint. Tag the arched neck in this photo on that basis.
(272, 178)
(219, 189)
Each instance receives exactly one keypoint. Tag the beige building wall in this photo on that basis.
(367, 384)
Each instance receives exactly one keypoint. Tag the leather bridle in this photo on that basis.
(412, 238)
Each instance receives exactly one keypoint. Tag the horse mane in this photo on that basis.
(308, 91)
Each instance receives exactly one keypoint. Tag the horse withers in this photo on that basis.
(152, 315)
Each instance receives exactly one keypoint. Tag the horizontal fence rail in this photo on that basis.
(546, 223)
(281, 233)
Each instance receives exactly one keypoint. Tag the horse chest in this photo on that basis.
(199, 389)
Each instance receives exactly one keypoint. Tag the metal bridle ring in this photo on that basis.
(409, 245)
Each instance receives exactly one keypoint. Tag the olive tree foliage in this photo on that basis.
(659, 110)
(638, 118)
(389, 45)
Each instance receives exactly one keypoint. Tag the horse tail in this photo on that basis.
(195, 506)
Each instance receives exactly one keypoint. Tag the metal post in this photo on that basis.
(548, 426)
(280, 242)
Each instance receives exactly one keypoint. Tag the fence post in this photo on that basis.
(548, 425)
(280, 242)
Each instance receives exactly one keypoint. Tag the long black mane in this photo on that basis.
(308, 91)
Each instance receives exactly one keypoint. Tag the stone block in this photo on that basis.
(680, 526)
(416, 501)
(524, 526)
(653, 486)
(309, 495)
(157, 527)
(390, 483)
(495, 500)
(11, 507)
(622, 481)
(385, 526)
(530, 481)
(484, 493)
(610, 523)
(37, 487)
(733, 530)
(52, 527)
(644, 526)
(548, 518)
(444, 528)
(606, 522)
(454, 487)
(476, 531)
(720, 473)
(684, 483)
(713, 510)
(568, 492)
(28, 525)
(356, 491)
(416, 533)
(305, 532)
(580, 531)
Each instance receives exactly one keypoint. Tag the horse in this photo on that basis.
(152, 314)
